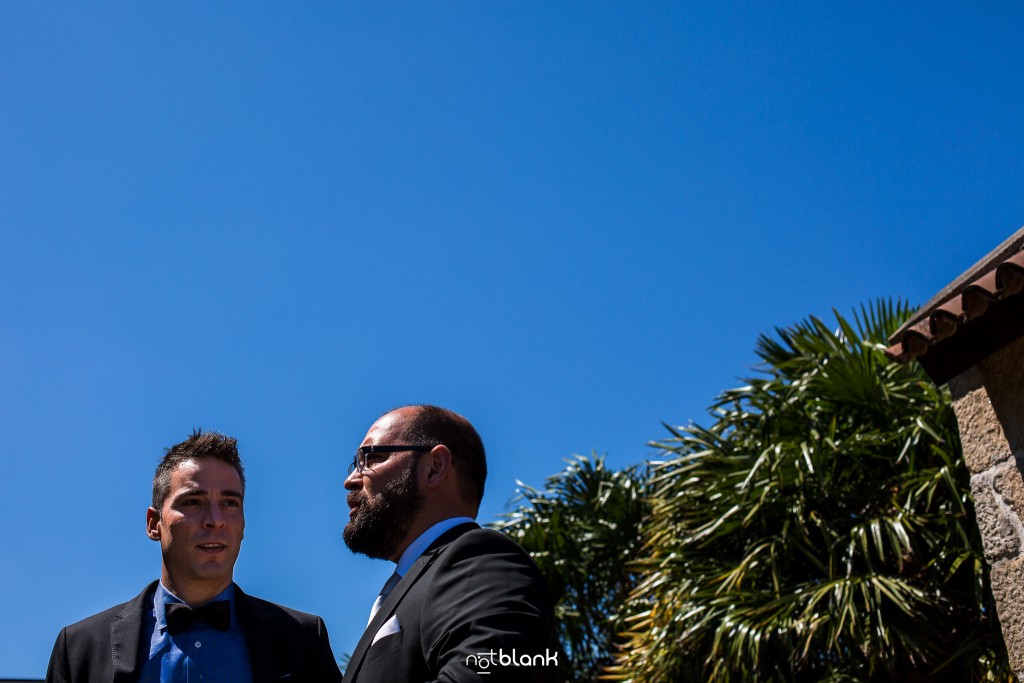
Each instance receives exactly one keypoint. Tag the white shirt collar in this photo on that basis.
(424, 540)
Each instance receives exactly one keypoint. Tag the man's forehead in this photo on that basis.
(199, 474)
(390, 424)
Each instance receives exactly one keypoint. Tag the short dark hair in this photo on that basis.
(199, 446)
(434, 426)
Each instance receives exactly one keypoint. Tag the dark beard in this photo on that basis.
(381, 523)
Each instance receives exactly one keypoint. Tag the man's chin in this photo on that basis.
(363, 544)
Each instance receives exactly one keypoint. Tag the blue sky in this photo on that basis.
(568, 221)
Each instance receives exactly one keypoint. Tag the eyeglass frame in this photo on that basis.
(364, 451)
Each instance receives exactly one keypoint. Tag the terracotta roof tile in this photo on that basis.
(974, 316)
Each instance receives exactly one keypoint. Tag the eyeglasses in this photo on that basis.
(363, 453)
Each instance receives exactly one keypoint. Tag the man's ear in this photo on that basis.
(441, 468)
(153, 524)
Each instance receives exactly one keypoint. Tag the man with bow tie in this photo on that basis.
(464, 603)
(195, 624)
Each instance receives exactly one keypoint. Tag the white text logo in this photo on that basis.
(482, 661)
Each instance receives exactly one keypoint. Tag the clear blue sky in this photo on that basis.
(568, 221)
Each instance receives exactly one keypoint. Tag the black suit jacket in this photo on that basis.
(472, 597)
(284, 644)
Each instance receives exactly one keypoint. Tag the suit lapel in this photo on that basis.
(387, 608)
(125, 636)
(265, 646)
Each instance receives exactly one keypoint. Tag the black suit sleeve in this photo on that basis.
(326, 667)
(58, 671)
(490, 610)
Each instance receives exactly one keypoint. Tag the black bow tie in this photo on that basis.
(180, 616)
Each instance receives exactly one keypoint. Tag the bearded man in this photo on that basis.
(463, 601)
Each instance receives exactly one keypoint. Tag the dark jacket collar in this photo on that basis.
(125, 636)
(266, 649)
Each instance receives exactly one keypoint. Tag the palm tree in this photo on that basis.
(820, 529)
(581, 530)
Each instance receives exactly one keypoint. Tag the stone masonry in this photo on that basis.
(989, 404)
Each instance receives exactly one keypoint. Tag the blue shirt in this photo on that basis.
(423, 541)
(200, 653)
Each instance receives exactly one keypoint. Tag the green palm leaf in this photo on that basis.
(820, 529)
(582, 529)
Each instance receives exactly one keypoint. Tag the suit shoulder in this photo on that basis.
(272, 610)
(480, 547)
(98, 619)
(98, 625)
(487, 538)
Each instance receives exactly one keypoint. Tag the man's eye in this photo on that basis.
(190, 501)
(232, 503)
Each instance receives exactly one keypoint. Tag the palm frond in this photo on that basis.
(820, 528)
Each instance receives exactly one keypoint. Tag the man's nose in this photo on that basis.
(350, 480)
(214, 516)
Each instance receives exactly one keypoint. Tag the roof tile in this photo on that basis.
(970, 318)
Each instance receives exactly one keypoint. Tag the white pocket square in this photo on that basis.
(390, 626)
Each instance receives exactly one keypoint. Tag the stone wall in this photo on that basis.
(989, 404)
